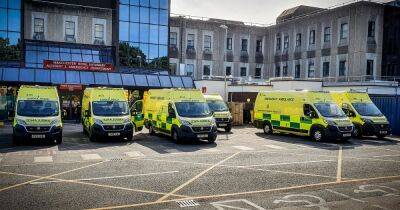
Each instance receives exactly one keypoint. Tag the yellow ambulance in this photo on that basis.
(106, 114)
(180, 114)
(37, 115)
(220, 110)
(368, 120)
(304, 113)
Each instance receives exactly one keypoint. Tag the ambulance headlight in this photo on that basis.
(213, 122)
(127, 120)
(98, 121)
(20, 122)
(366, 120)
(185, 122)
(330, 122)
(56, 122)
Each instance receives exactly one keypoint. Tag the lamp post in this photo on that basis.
(140, 60)
(225, 46)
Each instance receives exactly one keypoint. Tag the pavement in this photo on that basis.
(244, 169)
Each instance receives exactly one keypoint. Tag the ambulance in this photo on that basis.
(368, 120)
(106, 114)
(37, 115)
(305, 113)
(180, 114)
(220, 111)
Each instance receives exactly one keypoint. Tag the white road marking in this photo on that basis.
(274, 146)
(344, 195)
(91, 157)
(134, 154)
(187, 203)
(386, 156)
(107, 177)
(243, 148)
(288, 163)
(43, 159)
(236, 204)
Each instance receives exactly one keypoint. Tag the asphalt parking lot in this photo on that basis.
(244, 169)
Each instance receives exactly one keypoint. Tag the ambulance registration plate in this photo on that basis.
(222, 125)
(38, 136)
(382, 132)
(114, 134)
(202, 136)
(347, 135)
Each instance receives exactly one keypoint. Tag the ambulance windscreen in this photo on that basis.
(330, 110)
(110, 108)
(217, 106)
(367, 109)
(37, 108)
(192, 109)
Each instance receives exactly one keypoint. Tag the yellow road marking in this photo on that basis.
(249, 192)
(196, 177)
(47, 177)
(339, 165)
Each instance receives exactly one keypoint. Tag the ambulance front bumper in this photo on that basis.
(112, 131)
(203, 132)
(371, 129)
(30, 133)
(338, 132)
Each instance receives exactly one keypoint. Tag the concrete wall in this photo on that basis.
(55, 16)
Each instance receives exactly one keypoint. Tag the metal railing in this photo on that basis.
(365, 79)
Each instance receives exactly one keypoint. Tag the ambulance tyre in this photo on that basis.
(380, 136)
(59, 139)
(16, 141)
(130, 137)
(151, 130)
(228, 129)
(212, 140)
(175, 137)
(357, 132)
(317, 134)
(267, 128)
(92, 138)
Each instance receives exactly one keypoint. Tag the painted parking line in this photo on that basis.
(43, 159)
(91, 157)
(211, 150)
(134, 154)
(107, 177)
(274, 146)
(243, 148)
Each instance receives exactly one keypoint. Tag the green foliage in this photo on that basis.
(9, 52)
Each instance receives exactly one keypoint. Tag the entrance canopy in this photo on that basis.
(90, 78)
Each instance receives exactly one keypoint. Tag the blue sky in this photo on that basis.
(256, 11)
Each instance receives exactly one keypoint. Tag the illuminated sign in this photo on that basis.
(80, 66)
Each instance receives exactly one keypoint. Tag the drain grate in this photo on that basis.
(187, 203)
(115, 159)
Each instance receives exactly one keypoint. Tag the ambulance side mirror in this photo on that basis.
(313, 115)
(87, 113)
(11, 113)
(171, 113)
(351, 114)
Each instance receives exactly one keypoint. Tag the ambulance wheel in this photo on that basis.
(228, 129)
(267, 128)
(151, 130)
(16, 141)
(175, 137)
(380, 136)
(130, 137)
(357, 133)
(92, 138)
(59, 140)
(212, 140)
(317, 134)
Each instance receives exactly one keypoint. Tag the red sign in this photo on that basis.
(204, 90)
(81, 66)
(66, 87)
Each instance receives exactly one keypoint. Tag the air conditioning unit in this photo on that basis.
(38, 36)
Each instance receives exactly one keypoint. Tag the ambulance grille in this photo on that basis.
(201, 129)
(38, 128)
(113, 127)
(222, 119)
(346, 128)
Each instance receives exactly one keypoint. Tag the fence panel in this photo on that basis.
(390, 107)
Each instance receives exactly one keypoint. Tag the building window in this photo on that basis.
(286, 42)
(278, 42)
(243, 72)
(206, 70)
(189, 70)
(342, 68)
(229, 43)
(311, 69)
(298, 40)
(259, 46)
(173, 39)
(10, 32)
(228, 71)
(325, 69)
(297, 71)
(312, 37)
(190, 41)
(99, 32)
(327, 34)
(257, 73)
(344, 31)
(277, 71)
(70, 31)
(285, 70)
(370, 67)
(207, 43)
(371, 29)
(244, 45)
(38, 29)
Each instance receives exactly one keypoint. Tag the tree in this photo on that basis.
(9, 52)
(129, 56)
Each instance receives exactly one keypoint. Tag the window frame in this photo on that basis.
(255, 73)
(298, 40)
(344, 31)
(259, 47)
(67, 22)
(286, 42)
(246, 71)
(311, 39)
(173, 40)
(311, 69)
(342, 71)
(278, 42)
(229, 43)
(96, 31)
(230, 70)
(207, 42)
(190, 43)
(209, 69)
(371, 28)
(324, 69)
(327, 36)
(244, 45)
(35, 26)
